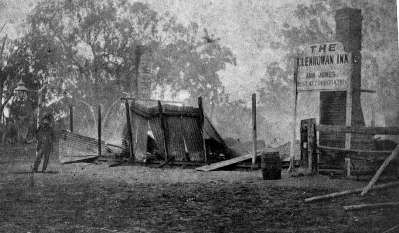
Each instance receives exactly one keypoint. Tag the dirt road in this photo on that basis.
(95, 198)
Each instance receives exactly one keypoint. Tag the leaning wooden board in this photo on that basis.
(232, 161)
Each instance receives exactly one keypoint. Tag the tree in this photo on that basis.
(94, 47)
(6, 86)
(17, 65)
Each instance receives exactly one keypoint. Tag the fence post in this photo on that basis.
(71, 117)
(309, 156)
(99, 130)
(201, 125)
(313, 158)
(129, 131)
(254, 136)
(164, 130)
(348, 136)
(293, 139)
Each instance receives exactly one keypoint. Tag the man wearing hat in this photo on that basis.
(45, 136)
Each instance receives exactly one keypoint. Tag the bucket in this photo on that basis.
(271, 166)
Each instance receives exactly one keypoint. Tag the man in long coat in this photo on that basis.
(45, 137)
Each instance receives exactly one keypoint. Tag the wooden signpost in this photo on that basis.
(293, 139)
(99, 130)
(324, 67)
(254, 136)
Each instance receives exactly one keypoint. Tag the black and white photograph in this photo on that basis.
(199, 116)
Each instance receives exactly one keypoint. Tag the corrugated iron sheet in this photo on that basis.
(139, 131)
(155, 125)
(72, 146)
(183, 132)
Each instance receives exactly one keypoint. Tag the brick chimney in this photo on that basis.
(333, 103)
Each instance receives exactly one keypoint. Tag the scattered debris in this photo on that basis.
(232, 161)
(343, 193)
(368, 206)
(393, 155)
(224, 163)
(391, 229)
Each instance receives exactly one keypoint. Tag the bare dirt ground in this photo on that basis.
(94, 198)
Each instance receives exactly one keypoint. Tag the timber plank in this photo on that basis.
(232, 161)
(358, 129)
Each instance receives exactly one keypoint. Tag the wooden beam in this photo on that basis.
(164, 129)
(348, 121)
(368, 206)
(293, 139)
(201, 126)
(368, 91)
(391, 157)
(153, 100)
(99, 130)
(71, 117)
(346, 192)
(147, 113)
(358, 129)
(349, 108)
(372, 123)
(312, 142)
(129, 131)
(254, 136)
(354, 150)
(232, 161)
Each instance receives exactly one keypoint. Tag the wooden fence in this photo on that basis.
(354, 161)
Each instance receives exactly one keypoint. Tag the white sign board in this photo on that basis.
(325, 67)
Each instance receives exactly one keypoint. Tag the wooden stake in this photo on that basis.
(254, 136)
(391, 157)
(201, 125)
(129, 131)
(292, 148)
(71, 118)
(376, 205)
(99, 130)
(346, 192)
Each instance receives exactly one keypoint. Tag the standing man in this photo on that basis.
(45, 136)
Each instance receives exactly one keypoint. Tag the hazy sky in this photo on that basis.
(234, 22)
(245, 26)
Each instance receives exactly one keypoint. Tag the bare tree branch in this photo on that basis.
(2, 47)
(2, 28)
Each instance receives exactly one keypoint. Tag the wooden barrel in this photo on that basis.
(271, 166)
